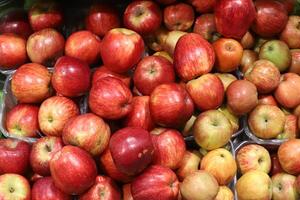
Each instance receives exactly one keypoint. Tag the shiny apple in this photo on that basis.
(205, 26)
(203, 6)
(288, 154)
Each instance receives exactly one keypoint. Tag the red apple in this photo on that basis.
(271, 18)
(171, 105)
(203, 6)
(289, 4)
(45, 46)
(14, 186)
(101, 18)
(288, 154)
(157, 182)
(44, 188)
(189, 163)
(54, 114)
(143, 17)
(229, 15)
(295, 65)
(131, 149)
(290, 130)
(276, 167)
(14, 156)
(22, 120)
(151, 72)
(248, 58)
(104, 188)
(247, 41)
(193, 56)
(267, 100)
(30, 83)
(71, 77)
(179, 17)
(112, 49)
(73, 170)
(127, 192)
(45, 14)
(291, 33)
(205, 26)
(12, 51)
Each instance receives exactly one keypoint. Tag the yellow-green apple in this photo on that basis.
(14, 186)
(247, 41)
(164, 54)
(290, 130)
(276, 167)
(224, 193)
(226, 79)
(267, 100)
(187, 130)
(171, 40)
(288, 154)
(203, 6)
(249, 57)
(205, 26)
(291, 33)
(234, 120)
(126, 189)
(295, 64)
(284, 187)
(54, 113)
(189, 163)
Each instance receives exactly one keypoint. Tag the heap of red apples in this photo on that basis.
(112, 107)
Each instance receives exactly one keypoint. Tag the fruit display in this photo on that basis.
(150, 100)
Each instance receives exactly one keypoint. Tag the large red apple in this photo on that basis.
(295, 65)
(112, 49)
(288, 154)
(14, 156)
(30, 83)
(229, 15)
(157, 182)
(193, 56)
(73, 170)
(203, 6)
(291, 32)
(205, 26)
(14, 186)
(131, 149)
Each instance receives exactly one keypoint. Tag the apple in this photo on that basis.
(193, 56)
(45, 46)
(275, 167)
(127, 192)
(288, 92)
(14, 186)
(229, 53)
(226, 79)
(205, 26)
(291, 33)
(164, 54)
(22, 120)
(45, 14)
(179, 17)
(189, 163)
(104, 188)
(216, 159)
(143, 17)
(156, 39)
(73, 170)
(110, 98)
(54, 114)
(264, 75)
(234, 120)
(71, 77)
(267, 100)
(296, 111)
(290, 130)
(112, 49)
(14, 156)
(156, 182)
(152, 71)
(284, 187)
(259, 43)
(288, 154)
(295, 64)
(247, 41)
(188, 127)
(277, 52)
(229, 15)
(207, 91)
(87, 131)
(101, 18)
(289, 4)
(224, 193)
(170, 105)
(30, 83)
(44, 188)
(12, 51)
(248, 58)
(241, 97)
(203, 6)
(212, 130)
(254, 185)
(199, 185)
(171, 40)
(271, 18)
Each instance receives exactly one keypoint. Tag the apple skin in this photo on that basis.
(54, 113)
(110, 98)
(291, 33)
(44, 188)
(87, 131)
(289, 5)
(22, 120)
(156, 39)
(267, 100)
(205, 26)
(73, 170)
(189, 163)
(287, 93)
(12, 51)
(170, 41)
(14, 186)
(284, 187)
(248, 58)
(30, 83)
(140, 115)
(131, 149)
(14, 156)
(203, 6)
(45, 46)
(169, 147)
(207, 91)
(229, 14)
(295, 64)
(187, 62)
(275, 167)
(101, 18)
(241, 97)
(127, 192)
(254, 185)
(289, 161)
(143, 17)
(152, 71)
(104, 188)
(290, 130)
(298, 183)
(247, 41)
(156, 182)
(271, 18)
(226, 79)
(112, 49)
(179, 17)
(234, 120)
(224, 193)
(170, 105)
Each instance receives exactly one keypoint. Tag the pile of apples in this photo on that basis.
(110, 105)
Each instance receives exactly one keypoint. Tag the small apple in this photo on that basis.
(284, 187)
(288, 154)
(205, 26)
(189, 163)
(248, 58)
